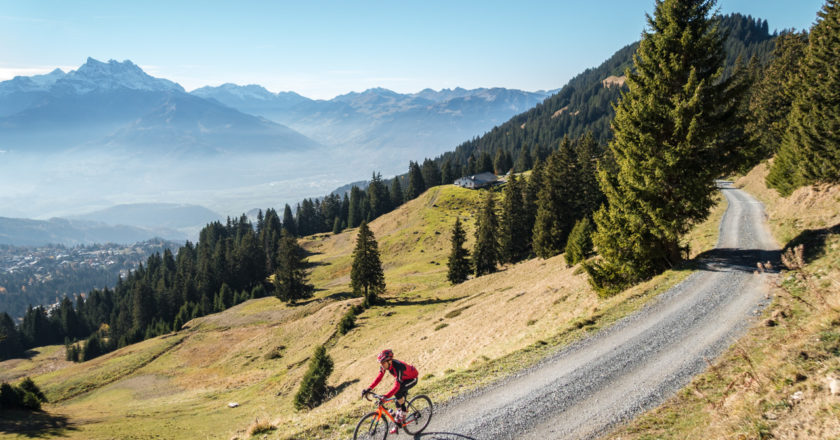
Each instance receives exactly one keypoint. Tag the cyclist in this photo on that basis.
(405, 377)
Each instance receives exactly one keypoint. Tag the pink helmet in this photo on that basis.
(386, 355)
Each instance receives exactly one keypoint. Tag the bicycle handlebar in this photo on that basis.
(378, 397)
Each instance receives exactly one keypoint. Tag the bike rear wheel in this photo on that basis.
(419, 414)
(371, 427)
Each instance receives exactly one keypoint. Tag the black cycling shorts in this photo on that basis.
(404, 387)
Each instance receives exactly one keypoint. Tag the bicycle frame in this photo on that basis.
(382, 411)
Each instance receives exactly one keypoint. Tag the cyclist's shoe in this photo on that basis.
(394, 430)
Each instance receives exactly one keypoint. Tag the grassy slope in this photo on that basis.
(178, 386)
(749, 392)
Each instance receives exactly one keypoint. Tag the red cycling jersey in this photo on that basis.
(401, 371)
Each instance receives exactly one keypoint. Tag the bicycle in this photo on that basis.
(374, 425)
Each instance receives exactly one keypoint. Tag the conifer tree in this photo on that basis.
(313, 388)
(514, 231)
(431, 173)
(555, 209)
(355, 215)
(290, 280)
(397, 195)
(676, 129)
(289, 220)
(447, 174)
(366, 275)
(416, 184)
(336, 225)
(810, 151)
(486, 251)
(459, 257)
(579, 245)
(378, 198)
(772, 96)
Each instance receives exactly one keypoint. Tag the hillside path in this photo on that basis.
(586, 389)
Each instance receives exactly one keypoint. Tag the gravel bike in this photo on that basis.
(374, 425)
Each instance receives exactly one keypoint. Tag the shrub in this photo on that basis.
(313, 387)
(29, 386)
(579, 245)
(348, 321)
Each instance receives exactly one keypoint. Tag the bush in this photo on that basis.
(348, 321)
(579, 245)
(313, 387)
(29, 386)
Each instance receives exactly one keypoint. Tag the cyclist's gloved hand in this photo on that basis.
(365, 391)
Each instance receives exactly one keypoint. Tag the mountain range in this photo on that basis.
(108, 134)
(379, 120)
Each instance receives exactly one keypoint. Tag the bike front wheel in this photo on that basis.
(371, 427)
(419, 415)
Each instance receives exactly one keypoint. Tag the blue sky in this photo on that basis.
(321, 49)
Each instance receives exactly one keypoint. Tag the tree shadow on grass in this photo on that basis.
(335, 391)
(813, 242)
(37, 424)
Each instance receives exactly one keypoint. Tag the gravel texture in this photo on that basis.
(588, 388)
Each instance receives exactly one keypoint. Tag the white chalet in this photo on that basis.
(477, 180)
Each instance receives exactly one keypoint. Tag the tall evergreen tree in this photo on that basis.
(447, 173)
(676, 129)
(416, 184)
(397, 195)
(366, 275)
(459, 267)
(772, 96)
(514, 233)
(431, 173)
(290, 280)
(355, 215)
(810, 151)
(555, 210)
(289, 220)
(486, 251)
(378, 198)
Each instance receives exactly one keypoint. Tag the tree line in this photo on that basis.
(537, 214)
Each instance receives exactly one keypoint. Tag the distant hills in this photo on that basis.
(382, 121)
(26, 232)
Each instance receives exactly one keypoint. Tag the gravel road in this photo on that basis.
(586, 389)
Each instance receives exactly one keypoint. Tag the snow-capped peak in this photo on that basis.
(96, 75)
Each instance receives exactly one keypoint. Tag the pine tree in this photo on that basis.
(336, 225)
(366, 275)
(514, 232)
(579, 245)
(459, 257)
(772, 96)
(290, 281)
(289, 220)
(313, 388)
(676, 129)
(486, 251)
(431, 173)
(811, 146)
(397, 196)
(416, 184)
(356, 214)
(555, 209)
(378, 198)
